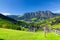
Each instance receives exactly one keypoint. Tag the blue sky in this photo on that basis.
(18, 7)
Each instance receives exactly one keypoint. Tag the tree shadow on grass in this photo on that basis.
(1, 39)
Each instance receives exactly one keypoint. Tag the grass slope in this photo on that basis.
(7, 24)
(56, 25)
(8, 34)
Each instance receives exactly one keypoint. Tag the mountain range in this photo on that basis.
(34, 16)
(29, 19)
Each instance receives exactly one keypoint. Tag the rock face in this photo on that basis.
(31, 15)
(38, 15)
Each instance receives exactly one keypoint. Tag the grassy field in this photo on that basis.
(8, 34)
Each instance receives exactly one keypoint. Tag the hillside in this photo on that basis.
(39, 19)
(53, 22)
(13, 16)
(7, 22)
(8, 34)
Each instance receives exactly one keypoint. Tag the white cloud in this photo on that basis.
(56, 11)
(6, 13)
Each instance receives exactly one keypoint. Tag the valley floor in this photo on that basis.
(8, 34)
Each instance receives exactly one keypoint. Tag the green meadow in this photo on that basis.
(8, 34)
